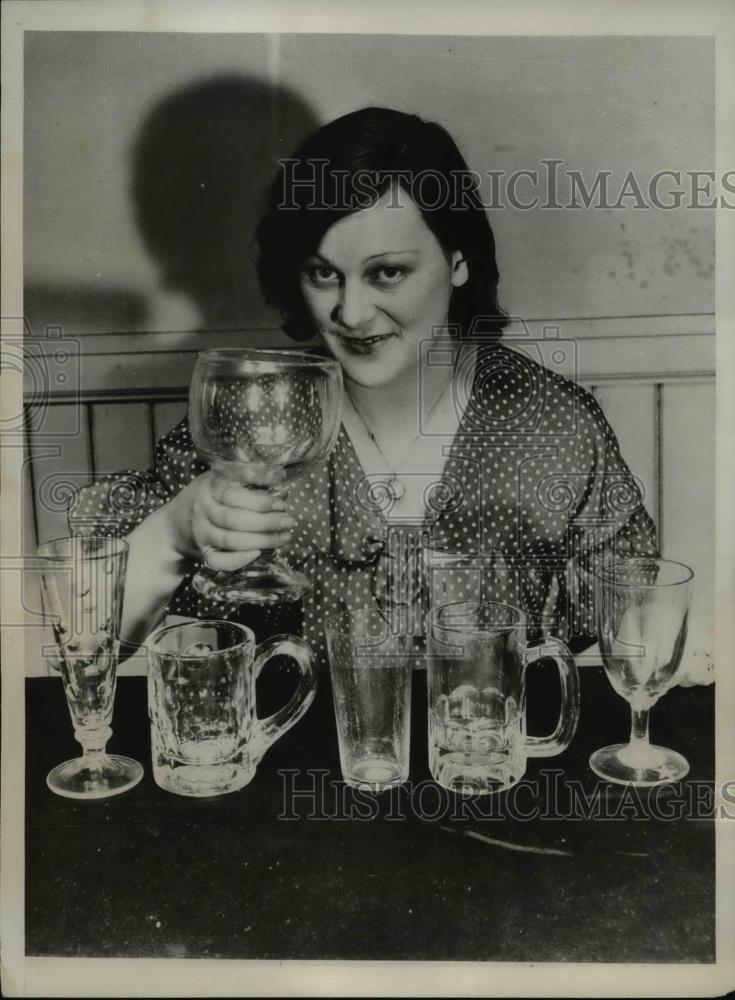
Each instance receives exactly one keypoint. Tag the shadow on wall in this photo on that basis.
(83, 308)
(201, 164)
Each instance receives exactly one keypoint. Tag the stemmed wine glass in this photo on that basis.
(642, 608)
(262, 418)
(81, 581)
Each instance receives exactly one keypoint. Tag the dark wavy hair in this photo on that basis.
(346, 166)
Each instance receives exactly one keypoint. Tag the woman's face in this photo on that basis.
(377, 286)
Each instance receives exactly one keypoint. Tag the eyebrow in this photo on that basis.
(373, 256)
(387, 253)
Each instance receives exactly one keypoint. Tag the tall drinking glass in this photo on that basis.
(370, 668)
(642, 609)
(82, 581)
(263, 418)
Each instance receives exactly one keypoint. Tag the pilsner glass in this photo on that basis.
(82, 580)
(642, 609)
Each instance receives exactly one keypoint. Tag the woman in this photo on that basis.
(374, 239)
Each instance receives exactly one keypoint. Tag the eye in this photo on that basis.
(388, 274)
(321, 275)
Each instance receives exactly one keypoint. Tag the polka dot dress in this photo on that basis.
(534, 487)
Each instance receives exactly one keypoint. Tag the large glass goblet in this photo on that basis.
(81, 581)
(263, 418)
(642, 608)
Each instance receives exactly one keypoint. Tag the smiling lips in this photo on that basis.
(363, 345)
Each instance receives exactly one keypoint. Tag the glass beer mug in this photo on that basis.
(206, 738)
(478, 655)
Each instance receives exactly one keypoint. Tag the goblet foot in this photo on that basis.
(627, 764)
(96, 777)
(263, 581)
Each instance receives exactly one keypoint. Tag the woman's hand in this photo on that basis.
(225, 524)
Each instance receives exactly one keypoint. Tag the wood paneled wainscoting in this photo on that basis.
(653, 376)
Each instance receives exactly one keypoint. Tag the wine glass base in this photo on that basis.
(259, 583)
(108, 775)
(642, 767)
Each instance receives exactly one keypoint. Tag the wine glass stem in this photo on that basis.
(639, 727)
(93, 742)
(273, 555)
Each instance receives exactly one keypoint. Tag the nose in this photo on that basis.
(354, 309)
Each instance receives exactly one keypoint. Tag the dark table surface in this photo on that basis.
(417, 874)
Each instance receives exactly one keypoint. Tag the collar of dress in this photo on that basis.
(337, 514)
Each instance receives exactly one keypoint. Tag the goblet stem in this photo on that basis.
(93, 742)
(639, 753)
(639, 727)
(266, 580)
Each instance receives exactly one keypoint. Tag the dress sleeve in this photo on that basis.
(117, 503)
(609, 519)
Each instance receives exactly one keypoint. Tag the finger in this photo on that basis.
(236, 519)
(224, 491)
(264, 475)
(243, 541)
(229, 561)
(255, 475)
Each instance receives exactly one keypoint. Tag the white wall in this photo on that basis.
(621, 104)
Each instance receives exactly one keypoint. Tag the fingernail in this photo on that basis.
(279, 504)
(288, 522)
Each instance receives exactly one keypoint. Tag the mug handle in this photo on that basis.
(556, 650)
(267, 731)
